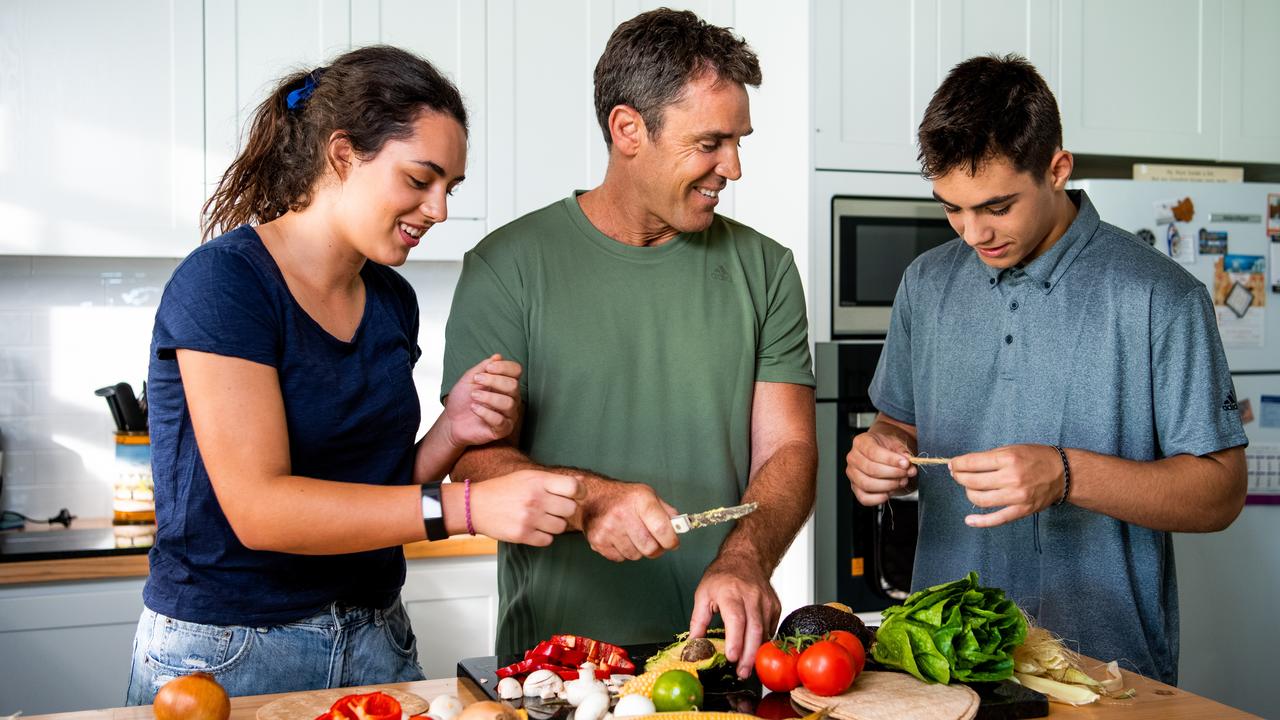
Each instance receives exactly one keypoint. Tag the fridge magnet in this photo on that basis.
(1184, 210)
(1146, 236)
(1179, 248)
(1239, 299)
(1213, 242)
(1246, 411)
(1275, 265)
(1273, 214)
(1269, 411)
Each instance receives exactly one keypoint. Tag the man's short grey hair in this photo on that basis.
(650, 59)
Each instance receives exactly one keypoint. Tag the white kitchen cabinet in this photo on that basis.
(453, 605)
(1250, 86)
(251, 45)
(450, 34)
(1142, 78)
(67, 646)
(877, 64)
(248, 47)
(542, 56)
(101, 127)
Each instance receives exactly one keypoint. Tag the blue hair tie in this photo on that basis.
(299, 96)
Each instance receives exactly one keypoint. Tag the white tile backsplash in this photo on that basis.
(71, 325)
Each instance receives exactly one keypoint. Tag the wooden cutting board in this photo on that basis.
(309, 705)
(894, 696)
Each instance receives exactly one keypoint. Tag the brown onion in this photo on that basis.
(192, 697)
(488, 710)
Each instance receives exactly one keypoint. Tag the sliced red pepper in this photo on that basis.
(562, 654)
(518, 668)
(369, 706)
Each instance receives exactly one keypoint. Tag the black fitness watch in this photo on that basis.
(433, 512)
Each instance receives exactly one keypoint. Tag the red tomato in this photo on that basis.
(777, 667)
(825, 668)
(851, 645)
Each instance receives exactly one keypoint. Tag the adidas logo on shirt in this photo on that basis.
(720, 274)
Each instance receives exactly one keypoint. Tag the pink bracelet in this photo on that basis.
(466, 502)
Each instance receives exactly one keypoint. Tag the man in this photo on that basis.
(1088, 361)
(666, 361)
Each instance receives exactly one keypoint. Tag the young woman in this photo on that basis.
(282, 406)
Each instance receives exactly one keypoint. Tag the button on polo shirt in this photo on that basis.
(1113, 348)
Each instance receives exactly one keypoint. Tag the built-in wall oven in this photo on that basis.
(863, 555)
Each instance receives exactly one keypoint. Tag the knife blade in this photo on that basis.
(692, 521)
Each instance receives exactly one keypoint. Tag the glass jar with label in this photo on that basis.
(133, 500)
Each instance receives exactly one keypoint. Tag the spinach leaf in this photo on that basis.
(957, 631)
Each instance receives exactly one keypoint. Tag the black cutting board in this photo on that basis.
(1005, 700)
(739, 697)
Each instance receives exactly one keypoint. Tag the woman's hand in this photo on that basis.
(484, 404)
(526, 506)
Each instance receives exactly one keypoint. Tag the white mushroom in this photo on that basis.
(509, 688)
(634, 705)
(445, 707)
(577, 690)
(587, 671)
(593, 706)
(543, 683)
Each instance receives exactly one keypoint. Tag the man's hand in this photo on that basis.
(739, 590)
(627, 521)
(1018, 479)
(484, 403)
(878, 467)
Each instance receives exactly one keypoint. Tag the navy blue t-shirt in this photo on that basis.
(352, 414)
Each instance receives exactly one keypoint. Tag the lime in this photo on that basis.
(676, 690)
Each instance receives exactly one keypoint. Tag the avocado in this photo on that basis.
(705, 653)
(822, 619)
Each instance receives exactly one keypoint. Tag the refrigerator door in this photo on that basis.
(1251, 332)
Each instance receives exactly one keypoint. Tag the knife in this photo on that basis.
(692, 521)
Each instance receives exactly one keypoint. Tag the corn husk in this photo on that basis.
(1044, 664)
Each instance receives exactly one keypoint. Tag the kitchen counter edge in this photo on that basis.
(132, 563)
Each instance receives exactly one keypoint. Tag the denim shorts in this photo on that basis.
(342, 646)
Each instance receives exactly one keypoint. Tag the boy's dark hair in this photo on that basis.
(651, 57)
(373, 94)
(989, 107)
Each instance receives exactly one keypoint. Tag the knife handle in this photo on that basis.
(680, 524)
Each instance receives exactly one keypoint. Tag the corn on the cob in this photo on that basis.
(700, 715)
(643, 684)
(695, 715)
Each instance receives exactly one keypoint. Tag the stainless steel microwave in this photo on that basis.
(873, 240)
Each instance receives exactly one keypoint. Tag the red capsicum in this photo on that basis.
(562, 654)
(369, 706)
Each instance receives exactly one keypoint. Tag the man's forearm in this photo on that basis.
(784, 488)
(1183, 493)
(488, 461)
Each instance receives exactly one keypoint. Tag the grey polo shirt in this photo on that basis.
(1102, 343)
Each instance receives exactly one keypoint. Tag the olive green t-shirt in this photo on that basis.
(639, 364)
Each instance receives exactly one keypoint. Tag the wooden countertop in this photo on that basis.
(132, 562)
(1154, 701)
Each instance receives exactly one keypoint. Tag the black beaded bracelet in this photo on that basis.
(1066, 475)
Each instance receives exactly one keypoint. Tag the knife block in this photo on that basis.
(133, 494)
